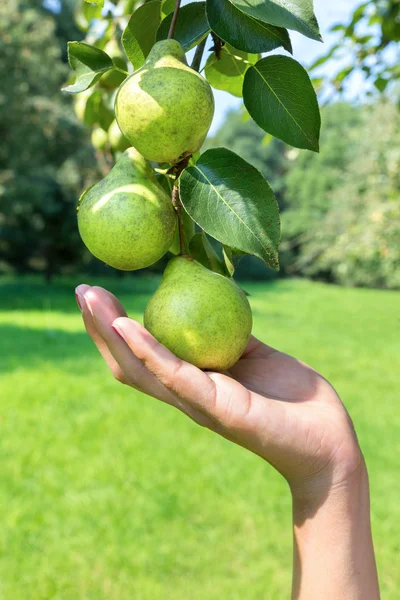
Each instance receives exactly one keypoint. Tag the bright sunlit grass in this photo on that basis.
(107, 494)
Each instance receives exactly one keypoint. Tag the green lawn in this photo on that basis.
(107, 494)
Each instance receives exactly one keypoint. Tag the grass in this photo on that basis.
(106, 494)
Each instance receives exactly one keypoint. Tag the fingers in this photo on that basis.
(104, 308)
(183, 379)
(90, 326)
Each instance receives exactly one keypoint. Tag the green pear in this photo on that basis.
(201, 316)
(112, 79)
(117, 140)
(165, 109)
(99, 138)
(127, 220)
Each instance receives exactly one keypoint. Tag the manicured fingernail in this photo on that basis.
(120, 333)
(87, 304)
(78, 301)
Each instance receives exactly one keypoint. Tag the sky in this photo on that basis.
(304, 50)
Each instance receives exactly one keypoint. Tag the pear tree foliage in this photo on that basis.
(240, 46)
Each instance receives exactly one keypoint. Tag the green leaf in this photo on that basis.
(228, 258)
(227, 73)
(97, 2)
(84, 14)
(381, 83)
(279, 96)
(191, 27)
(201, 250)
(89, 64)
(168, 6)
(244, 31)
(290, 14)
(139, 35)
(231, 201)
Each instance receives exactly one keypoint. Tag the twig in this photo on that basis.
(198, 55)
(176, 201)
(174, 20)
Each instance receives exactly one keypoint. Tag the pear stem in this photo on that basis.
(174, 20)
(198, 55)
(176, 201)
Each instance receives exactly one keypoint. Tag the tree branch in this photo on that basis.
(174, 20)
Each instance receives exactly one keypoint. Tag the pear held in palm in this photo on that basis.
(165, 109)
(127, 220)
(202, 317)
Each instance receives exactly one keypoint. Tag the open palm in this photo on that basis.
(268, 402)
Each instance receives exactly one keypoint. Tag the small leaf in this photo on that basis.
(84, 14)
(244, 31)
(97, 2)
(381, 84)
(139, 35)
(279, 96)
(89, 64)
(191, 27)
(296, 14)
(231, 201)
(202, 251)
(228, 258)
(227, 73)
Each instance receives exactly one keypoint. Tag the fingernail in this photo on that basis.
(78, 301)
(87, 304)
(120, 333)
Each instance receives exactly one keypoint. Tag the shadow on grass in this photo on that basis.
(27, 347)
(29, 293)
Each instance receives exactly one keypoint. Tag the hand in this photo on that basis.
(280, 409)
(269, 402)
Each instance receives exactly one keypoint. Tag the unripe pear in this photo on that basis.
(201, 316)
(99, 138)
(117, 140)
(127, 220)
(165, 108)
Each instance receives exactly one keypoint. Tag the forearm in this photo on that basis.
(333, 548)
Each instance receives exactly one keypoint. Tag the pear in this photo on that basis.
(165, 109)
(118, 141)
(127, 220)
(99, 138)
(201, 316)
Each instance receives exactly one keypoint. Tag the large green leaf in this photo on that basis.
(280, 97)
(227, 73)
(244, 31)
(291, 14)
(139, 35)
(191, 27)
(89, 64)
(231, 201)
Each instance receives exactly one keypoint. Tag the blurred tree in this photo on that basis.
(369, 43)
(45, 156)
(310, 179)
(358, 240)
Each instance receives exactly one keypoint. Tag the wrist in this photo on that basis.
(333, 548)
(345, 475)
